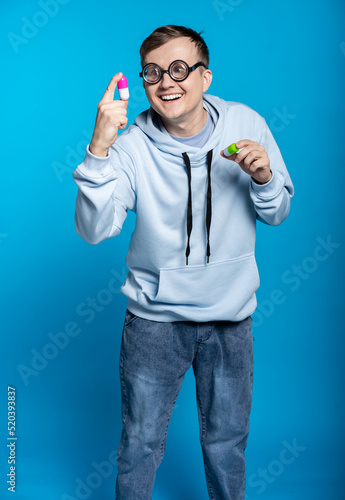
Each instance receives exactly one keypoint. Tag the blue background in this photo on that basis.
(287, 61)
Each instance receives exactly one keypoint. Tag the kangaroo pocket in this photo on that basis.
(229, 283)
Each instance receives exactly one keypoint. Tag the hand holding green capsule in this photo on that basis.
(252, 159)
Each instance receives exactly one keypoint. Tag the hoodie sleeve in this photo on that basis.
(106, 190)
(272, 200)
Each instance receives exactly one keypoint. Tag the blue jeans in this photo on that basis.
(154, 358)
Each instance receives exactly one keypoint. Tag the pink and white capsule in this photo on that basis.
(122, 85)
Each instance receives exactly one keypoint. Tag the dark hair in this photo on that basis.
(165, 33)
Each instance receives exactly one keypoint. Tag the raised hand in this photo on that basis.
(111, 116)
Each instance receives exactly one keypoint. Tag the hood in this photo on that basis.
(150, 124)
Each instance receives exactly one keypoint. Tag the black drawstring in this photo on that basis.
(189, 210)
(209, 204)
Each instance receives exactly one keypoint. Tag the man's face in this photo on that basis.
(198, 81)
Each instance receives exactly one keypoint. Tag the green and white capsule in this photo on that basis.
(230, 150)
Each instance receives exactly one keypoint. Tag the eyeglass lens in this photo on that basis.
(178, 71)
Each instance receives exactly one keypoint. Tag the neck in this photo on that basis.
(189, 126)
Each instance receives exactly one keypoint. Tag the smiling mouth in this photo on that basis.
(170, 97)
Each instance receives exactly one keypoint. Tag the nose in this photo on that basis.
(166, 81)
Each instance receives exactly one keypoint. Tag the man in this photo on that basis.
(192, 270)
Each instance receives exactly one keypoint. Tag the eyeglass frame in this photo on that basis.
(189, 68)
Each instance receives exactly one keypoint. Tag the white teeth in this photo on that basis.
(170, 97)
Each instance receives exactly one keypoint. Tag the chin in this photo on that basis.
(169, 113)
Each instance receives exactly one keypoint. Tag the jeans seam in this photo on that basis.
(209, 483)
(203, 431)
(167, 426)
(123, 385)
(203, 419)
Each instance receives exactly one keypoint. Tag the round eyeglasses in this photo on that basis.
(178, 71)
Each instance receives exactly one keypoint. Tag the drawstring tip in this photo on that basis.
(187, 261)
(208, 259)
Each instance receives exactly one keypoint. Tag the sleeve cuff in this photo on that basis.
(271, 189)
(95, 166)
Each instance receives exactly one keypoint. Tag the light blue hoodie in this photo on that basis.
(191, 255)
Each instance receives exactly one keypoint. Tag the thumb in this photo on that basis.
(231, 157)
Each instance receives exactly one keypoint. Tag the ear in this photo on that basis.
(207, 79)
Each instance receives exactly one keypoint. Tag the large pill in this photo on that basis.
(230, 150)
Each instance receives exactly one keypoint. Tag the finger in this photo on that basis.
(251, 157)
(120, 121)
(260, 164)
(257, 167)
(119, 105)
(123, 122)
(110, 90)
(249, 150)
(245, 142)
(231, 157)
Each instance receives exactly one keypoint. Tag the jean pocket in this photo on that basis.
(130, 317)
